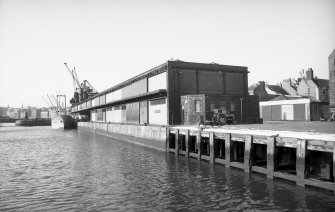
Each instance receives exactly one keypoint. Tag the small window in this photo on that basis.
(197, 106)
(157, 102)
(232, 107)
(324, 92)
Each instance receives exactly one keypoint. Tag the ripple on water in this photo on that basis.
(49, 170)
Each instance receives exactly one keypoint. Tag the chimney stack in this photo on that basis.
(309, 74)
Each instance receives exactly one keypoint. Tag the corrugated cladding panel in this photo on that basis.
(137, 88)
(234, 83)
(210, 82)
(123, 114)
(276, 112)
(99, 115)
(187, 82)
(133, 113)
(299, 112)
(143, 112)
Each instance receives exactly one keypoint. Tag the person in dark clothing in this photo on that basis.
(201, 122)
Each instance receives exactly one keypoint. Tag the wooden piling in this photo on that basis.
(187, 143)
(271, 152)
(227, 149)
(167, 147)
(300, 162)
(199, 146)
(247, 153)
(211, 147)
(177, 142)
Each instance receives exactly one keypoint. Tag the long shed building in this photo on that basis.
(154, 97)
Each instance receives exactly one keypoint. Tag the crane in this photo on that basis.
(46, 101)
(95, 91)
(76, 84)
(81, 90)
(50, 100)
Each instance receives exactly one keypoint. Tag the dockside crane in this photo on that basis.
(83, 90)
(46, 101)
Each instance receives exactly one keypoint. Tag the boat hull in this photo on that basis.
(63, 122)
(33, 122)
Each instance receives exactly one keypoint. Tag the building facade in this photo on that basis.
(299, 109)
(153, 97)
(331, 62)
(266, 92)
(310, 86)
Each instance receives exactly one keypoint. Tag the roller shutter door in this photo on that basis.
(276, 112)
(299, 112)
(266, 113)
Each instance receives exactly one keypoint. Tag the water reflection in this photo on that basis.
(43, 169)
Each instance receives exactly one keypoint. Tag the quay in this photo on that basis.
(160, 107)
(306, 158)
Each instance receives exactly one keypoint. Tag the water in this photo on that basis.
(42, 169)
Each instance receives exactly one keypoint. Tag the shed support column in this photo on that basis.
(177, 142)
(211, 147)
(271, 153)
(199, 146)
(167, 139)
(187, 143)
(247, 153)
(300, 162)
(227, 149)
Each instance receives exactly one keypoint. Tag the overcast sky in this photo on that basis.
(111, 41)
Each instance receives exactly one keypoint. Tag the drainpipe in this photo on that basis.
(241, 110)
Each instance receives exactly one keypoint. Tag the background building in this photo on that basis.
(331, 61)
(154, 97)
(311, 86)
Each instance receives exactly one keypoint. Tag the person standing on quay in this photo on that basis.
(201, 122)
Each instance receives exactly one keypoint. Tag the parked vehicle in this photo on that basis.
(221, 118)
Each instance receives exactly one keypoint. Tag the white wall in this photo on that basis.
(93, 116)
(117, 115)
(157, 82)
(109, 116)
(158, 114)
(287, 112)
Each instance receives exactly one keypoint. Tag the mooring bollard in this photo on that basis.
(300, 161)
(247, 153)
(227, 149)
(270, 156)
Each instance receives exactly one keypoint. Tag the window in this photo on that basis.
(197, 106)
(324, 92)
(157, 102)
(232, 107)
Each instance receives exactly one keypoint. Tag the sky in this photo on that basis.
(110, 41)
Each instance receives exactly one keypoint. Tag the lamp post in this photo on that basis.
(241, 110)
